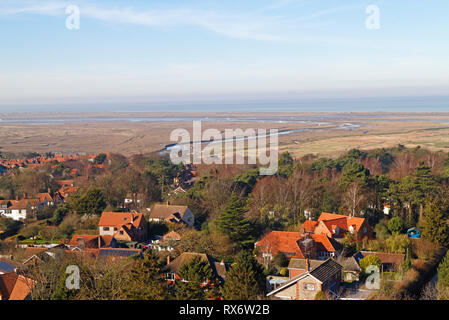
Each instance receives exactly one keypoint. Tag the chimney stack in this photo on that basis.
(17, 197)
(168, 259)
(307, 265)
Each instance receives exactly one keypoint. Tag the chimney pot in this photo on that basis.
(168, 259)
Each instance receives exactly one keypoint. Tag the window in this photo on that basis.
(121, 231)
(309, 286)
(170, 276)
(105, 228)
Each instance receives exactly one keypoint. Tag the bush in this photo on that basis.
(320, 295)
(398, 243)
(396, 225)
(30, 230)
(283, 272)
(443, 271)
(369, 261)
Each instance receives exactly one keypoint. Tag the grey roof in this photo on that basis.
(326, 270)
(6, 267)
(118, 252)
(349, 264)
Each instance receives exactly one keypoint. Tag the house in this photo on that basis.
(15, 287)
(19, 209)
(336, 226)
(92, 241)
(296, 245)
(166, 243)
(387, 209)
(172, 213)
(173, 267)
(414, 233)
(66, 191)
(326, 278)
(36, 255)
(123, 226)
(49, 198)
(389, 261)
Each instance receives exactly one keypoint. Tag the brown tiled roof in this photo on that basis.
(219, 268)
(172, 235)
(296, 263)
(23, 204)
(165, 211)
(183, 259)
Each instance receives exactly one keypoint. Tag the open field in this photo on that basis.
(326, 134)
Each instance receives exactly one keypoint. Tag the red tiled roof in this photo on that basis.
(283, 241)
(343, 222)
(91, 241)
(118, 219)
(14, 286)
(328, 244)
(310, 225)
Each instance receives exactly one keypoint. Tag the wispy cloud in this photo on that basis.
(256, 25)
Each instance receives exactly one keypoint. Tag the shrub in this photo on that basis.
(396, 225)
(369, 261)
(283, 272)
(398, 243)
(320, 295)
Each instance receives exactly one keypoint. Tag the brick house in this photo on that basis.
(123, 226)
(326, 278)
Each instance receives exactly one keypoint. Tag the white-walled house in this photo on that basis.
(18, 209)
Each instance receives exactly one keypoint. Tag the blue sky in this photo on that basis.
(140, 51)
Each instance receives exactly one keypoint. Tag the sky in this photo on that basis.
(139, 52)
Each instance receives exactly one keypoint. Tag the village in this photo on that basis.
(324, 256)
